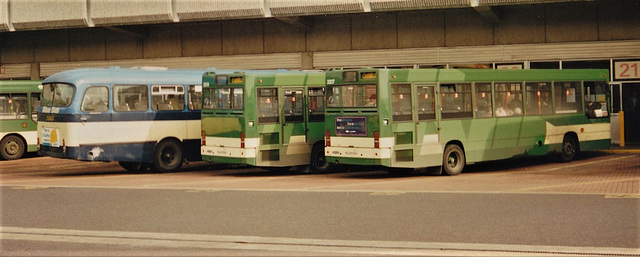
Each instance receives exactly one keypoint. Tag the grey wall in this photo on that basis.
(519, 24)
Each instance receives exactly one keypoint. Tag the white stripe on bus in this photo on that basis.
(77, 133)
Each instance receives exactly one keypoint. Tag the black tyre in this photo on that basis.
(12, 148)
(570, 148)
(453, 160)
(168, 156)
(318, 163)
(134, 166)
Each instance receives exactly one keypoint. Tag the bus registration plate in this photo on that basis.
(351, 126)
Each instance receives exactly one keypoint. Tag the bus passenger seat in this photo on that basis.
(164, 107)
(101, 108)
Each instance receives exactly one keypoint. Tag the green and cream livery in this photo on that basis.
(271, 119)
(415, 118)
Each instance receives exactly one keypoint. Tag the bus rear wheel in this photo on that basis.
(134, 166)
(453, 160)
(318, 162)
(168, 156)
(570, 148)
(12, 148)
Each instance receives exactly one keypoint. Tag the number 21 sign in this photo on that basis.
(627, 70)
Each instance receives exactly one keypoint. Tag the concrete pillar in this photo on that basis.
(35, 71)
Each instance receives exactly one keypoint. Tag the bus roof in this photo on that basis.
(117, 75)
(19, 86)
(521, 75)
(467, 75)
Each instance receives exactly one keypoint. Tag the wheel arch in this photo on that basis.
(17, 135)
(575, 136)
(170, 138)
(458, 143)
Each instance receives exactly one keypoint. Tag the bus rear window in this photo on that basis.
(57, 95)
(352, 96)
(227, 98)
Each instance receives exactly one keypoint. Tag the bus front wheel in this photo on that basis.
(453, 160)
(12, 148)
(168, 156)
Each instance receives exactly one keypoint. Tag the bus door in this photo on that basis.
(403, 126)
(426, 125)
(294, 128)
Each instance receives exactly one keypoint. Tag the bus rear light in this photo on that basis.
(64, 146)
(376, 139)
(241, 139)
(327, 138)
(203, 139)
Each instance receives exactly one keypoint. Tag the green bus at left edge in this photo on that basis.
(19, 101)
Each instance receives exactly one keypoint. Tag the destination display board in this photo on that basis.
(351, 126)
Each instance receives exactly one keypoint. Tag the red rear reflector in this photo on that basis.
(327, 138)
(203, 140)
(241, 139)
(376, 139)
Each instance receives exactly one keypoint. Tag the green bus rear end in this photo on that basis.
(272, 120)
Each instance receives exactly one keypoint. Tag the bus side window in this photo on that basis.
(96, 99)
(401, 102)
(293, 105)
(128, 98)
(167, 97)
(195, 94)
(316, 104)
(484, 107)
(426, 103)
(508, 99)
(268, 105)
(567, 97)
(455, 101)
(538, 98)
(13, 106)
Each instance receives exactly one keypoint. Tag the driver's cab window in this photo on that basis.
(595, 99)
(35, 102)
